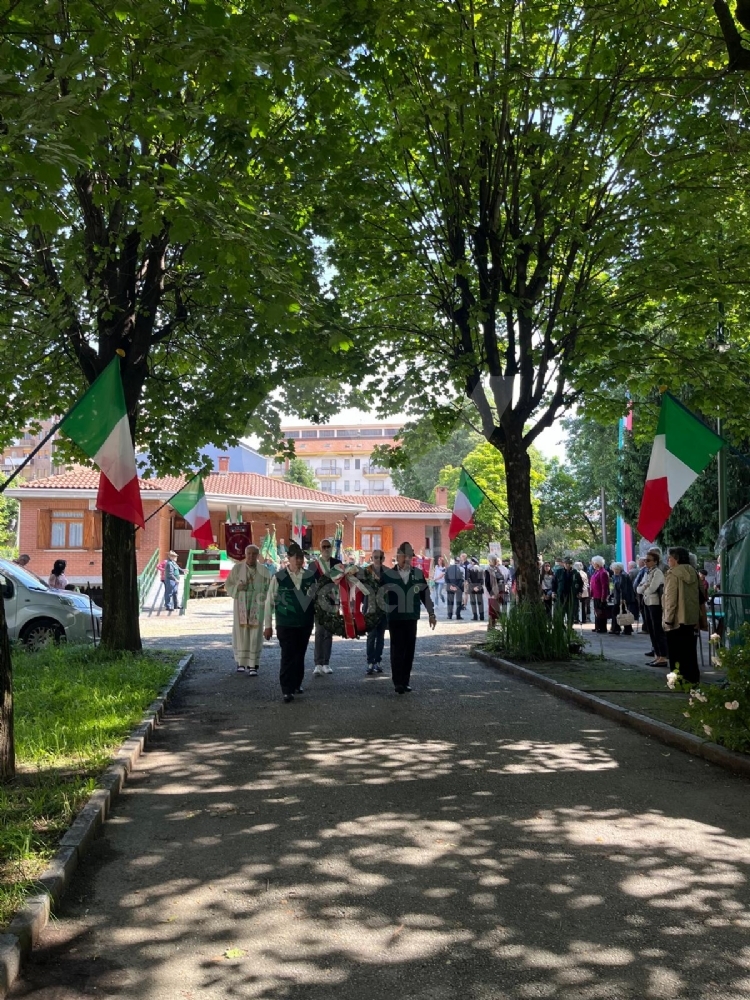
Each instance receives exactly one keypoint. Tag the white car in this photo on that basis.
(37, 615)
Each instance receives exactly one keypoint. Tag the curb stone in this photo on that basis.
(25, 928)
(738, 763)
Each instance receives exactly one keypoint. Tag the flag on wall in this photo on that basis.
(99, 426)
(468, 498)
(190, 502)
(299, 523)
(682, 449)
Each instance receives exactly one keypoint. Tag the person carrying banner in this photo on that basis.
(248, 584)
(405, 591)
(291, 600)
(326, 564)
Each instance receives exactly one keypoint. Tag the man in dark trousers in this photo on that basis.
(291, 599)
(405, 591)
(454, 586)
(567, 589)
(475, 578)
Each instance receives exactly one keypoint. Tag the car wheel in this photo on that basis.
(42, 632)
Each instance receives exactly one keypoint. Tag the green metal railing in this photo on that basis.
(191, 570)
(147, 577)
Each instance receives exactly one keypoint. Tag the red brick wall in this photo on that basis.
(84, 565)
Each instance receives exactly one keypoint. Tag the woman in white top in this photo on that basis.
(438, 579)
(651, 589)
(57, 579)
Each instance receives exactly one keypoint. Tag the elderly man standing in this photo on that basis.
(248, 584)
(405, 591)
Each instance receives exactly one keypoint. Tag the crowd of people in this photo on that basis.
(286, 600)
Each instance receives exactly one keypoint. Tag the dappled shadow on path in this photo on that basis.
(478, 842)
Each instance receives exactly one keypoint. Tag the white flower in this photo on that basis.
(731, 706)
(707, 730)
(714, 637)
(699, 696)
(671, 681)
(686, 714)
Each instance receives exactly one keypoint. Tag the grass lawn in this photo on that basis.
(73, 707)
(632, 687)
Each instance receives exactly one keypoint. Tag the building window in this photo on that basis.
(309, 434)
(66, 529)
(377, 485)
(357, 463)
(347, 463)
(356, 486)
(291, 434)
(371, 539)
(346, 486)
(326, 432)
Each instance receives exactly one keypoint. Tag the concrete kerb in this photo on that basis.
(26, 926)
(736, 762)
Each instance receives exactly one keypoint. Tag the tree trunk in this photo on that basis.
(120, 625)
(521, 515)
(7, 744)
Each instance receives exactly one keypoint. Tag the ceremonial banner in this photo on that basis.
(237, 538)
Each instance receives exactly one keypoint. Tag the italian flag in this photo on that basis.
(191, 504)
(99, 426)
(468, 498)
(682, 449)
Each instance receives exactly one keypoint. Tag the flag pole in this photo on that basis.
(171, 498)
(502, 515)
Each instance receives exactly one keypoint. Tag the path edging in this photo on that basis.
(25, 928)
(738, 763)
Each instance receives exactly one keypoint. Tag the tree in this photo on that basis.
(497, 143)
(300, 472)
(155, 198)
(564, 515)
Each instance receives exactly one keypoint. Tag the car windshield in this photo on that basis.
(20, 575)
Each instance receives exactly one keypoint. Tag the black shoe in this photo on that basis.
(481, 618)
(459, 618)
(649, 654)
(450, 617)
(407, 688)
(400, 689)
(475, 618)
(288, 698)
(377, 668)
(300, 690)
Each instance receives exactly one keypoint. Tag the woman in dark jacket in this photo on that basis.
(624, 595)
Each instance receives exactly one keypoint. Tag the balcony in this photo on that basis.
(377, 493)
(375, 470)
(329, 472)
(332, 491)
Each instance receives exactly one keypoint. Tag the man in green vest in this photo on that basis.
(291, 599)
(405, 591)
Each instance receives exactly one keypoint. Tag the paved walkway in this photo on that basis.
(475, 840)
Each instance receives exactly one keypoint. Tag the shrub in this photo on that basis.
(723, 712)
(527, 632)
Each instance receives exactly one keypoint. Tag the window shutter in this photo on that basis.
(44, 529)
(357, 538)
(97, 529)
(387, 536)
(314, 536)
(221, 536)
(88, 529)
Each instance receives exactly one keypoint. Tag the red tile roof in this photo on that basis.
(397, 504)
(234, 484)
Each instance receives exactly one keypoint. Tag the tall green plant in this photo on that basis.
(527, 632)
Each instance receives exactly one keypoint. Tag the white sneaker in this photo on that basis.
(318, 672)
(327, 669)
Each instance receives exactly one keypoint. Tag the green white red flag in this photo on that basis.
(99, 426)
(468, 498)
(682, 449)
(191, 504)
